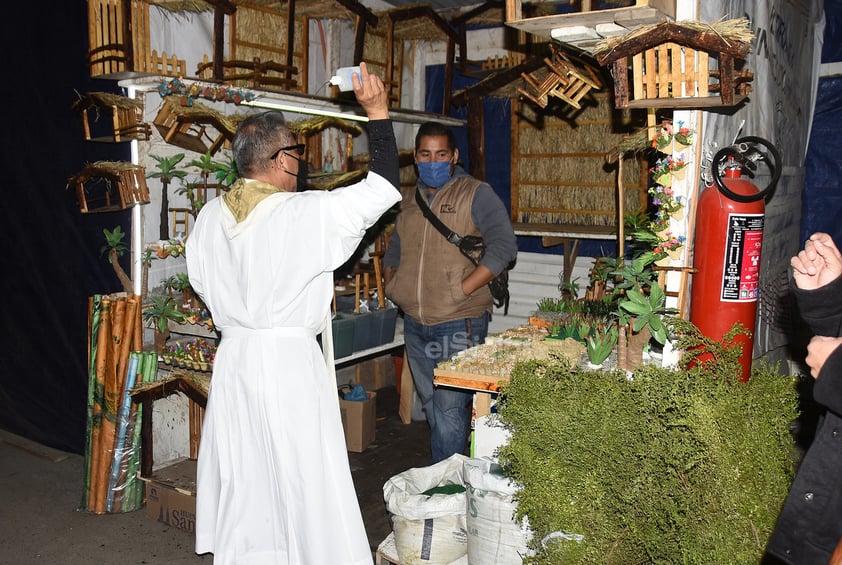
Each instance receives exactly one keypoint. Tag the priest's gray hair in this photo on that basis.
(258, 137)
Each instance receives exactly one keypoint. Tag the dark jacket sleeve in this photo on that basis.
(491, 217)
(384, 151)
(821, 308)
(828, 388)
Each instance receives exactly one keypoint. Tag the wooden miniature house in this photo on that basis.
(126, 117)
(108, 186)
(192, 125)
(679, 65)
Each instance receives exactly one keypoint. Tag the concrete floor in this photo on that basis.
(41, 491)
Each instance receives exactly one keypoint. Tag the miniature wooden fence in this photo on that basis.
(251, 74)
(163, 65)
(118, 33)
(670, 71)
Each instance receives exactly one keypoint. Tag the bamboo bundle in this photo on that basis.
(114, 329)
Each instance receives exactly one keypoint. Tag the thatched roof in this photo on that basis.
(108, 99)
(310, 126)
(724, 36)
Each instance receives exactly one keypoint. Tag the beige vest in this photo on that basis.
(428, 282)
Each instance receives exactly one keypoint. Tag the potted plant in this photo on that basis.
(158, 314)
(181, 282)
(600, 343)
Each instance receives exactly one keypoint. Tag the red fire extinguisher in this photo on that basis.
(729, 238)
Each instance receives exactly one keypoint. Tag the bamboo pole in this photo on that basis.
(99, 404)
(94, 307)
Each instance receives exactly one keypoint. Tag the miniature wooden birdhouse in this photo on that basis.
(679, 65)
(108, 186)
(111, 117)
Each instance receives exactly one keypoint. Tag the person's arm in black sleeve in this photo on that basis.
(828, 388)
(384, 151)
(821, 308)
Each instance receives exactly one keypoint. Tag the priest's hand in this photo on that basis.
(371, 93)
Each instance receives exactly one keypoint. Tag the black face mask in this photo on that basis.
(301, 177)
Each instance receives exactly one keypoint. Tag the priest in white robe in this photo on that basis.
(274, 485)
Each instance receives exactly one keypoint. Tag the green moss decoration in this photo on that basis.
(670, 466)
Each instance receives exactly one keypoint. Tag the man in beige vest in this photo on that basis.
(445, 298)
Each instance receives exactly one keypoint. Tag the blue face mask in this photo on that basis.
(435, 173)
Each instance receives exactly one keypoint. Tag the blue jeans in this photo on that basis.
(448, 410)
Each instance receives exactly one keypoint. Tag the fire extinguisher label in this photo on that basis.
(741, 272)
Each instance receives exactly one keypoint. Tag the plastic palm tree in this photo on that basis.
(114, 248)
(167, 172)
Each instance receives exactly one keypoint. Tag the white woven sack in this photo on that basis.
(429, 529)
(494, 536)
(434, 541)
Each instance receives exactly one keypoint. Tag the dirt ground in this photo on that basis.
(41, 491)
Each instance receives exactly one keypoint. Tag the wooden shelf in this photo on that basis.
(580, 30)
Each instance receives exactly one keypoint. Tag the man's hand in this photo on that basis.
(818, 263)
(371, 94)
(818, 350)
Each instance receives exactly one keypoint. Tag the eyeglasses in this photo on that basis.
(298, 148)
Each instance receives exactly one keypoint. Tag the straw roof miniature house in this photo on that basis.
(679, 65)
(126, 115)
(108, 186)
(193, 126)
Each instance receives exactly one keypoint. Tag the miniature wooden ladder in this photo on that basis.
(684, 279)
(180, 217)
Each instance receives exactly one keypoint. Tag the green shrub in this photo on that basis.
(670, 466)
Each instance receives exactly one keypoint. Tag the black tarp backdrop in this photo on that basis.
(50, 250)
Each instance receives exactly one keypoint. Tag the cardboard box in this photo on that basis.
(358, 419)
(171, 495)
(376, 373)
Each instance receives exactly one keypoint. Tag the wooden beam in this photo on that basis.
(361, 12)
(496, 80)
(476, 137)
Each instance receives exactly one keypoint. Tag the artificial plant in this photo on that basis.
(114, 248)
(684, 465)
(167, 172)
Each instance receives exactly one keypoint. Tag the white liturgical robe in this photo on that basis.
(274, 484)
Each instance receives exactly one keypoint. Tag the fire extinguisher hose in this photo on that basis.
(738, 152)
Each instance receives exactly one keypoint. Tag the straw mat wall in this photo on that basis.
(559, 171)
